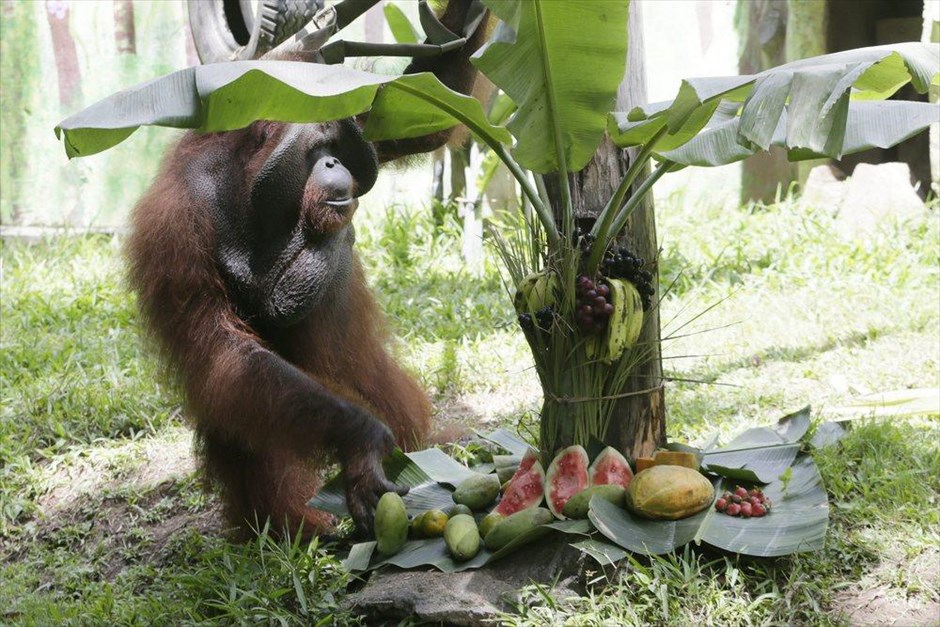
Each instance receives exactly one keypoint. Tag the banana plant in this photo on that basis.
(560, 63)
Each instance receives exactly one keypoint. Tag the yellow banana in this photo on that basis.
(626, 322)
(521, 299)
(536, 292)
(544, 292)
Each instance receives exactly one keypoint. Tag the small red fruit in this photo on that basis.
(733, 510)
(735, 498)
(721, 504)
(757, 511)
(741, 492)
(754, 500)
(746, 510)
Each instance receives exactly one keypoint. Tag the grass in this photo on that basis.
(102, 520)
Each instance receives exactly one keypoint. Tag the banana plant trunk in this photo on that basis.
(638, 426)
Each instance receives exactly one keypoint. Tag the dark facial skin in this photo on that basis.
(290, 249)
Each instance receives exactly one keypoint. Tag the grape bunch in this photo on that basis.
(620, 263)
(744, 503)
(541, 320)
(594, 308)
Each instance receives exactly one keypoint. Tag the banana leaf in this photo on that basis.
(402, 29)
(228, 96)
(507, 440)
(806, 106)
(433, 551)
(913, 402)
(425, 472)
(422, 471)
(797, 522)
(761, 454)
(539, 56)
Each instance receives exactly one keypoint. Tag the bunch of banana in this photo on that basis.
(536, 292)
(624, 325)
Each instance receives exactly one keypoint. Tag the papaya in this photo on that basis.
(642, 463)
(488, 522)
(477, 491)
(669, 493)
(577, 505)
(461, 537)
(511, 527)
(676, 458)
(391, 524)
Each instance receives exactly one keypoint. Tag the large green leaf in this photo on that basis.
(402, 29)
(425, 492)
(760, 454)
(227, 96)
(561, 62)
(797, 522)
(419, 104)
(821, 106)
(868, 125)
(433, 552)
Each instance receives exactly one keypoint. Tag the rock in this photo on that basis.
(824, 188)
(873, 193)
(877, 192)
(473, 596)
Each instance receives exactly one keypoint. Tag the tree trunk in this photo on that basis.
(762, 26)
(19, 67)
(125, 40)
(639, 424)
(807, 23)
(66, 57)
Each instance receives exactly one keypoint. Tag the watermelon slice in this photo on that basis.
(567, 475)
(526, 487)
(610, 468)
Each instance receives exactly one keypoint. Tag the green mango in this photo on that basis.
(511, 527)
(391, 524)
(461, 537)
(459, 509)
(477, 492)
(577, 505)
(488, 522)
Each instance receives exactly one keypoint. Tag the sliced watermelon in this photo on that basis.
(526, 487)
(567, 475)
(610, 468)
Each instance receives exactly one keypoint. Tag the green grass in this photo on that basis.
(103, 522)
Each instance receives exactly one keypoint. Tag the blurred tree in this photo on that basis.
(19, 69)
(762, 28)
(125, 40)
(66, 57)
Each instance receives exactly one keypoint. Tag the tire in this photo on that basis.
(229, 30)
